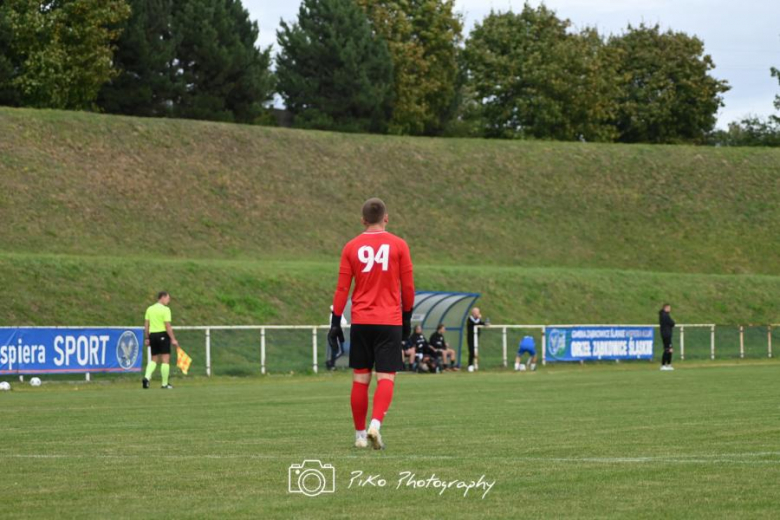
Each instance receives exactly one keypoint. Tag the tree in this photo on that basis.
(145, 53)
(219, 73)
(668, 94)
(751, 131)
(9, 61)
(192, 59)
(60, 53)
(776, 74)
(334, 73)
(531, 77)
(424, 38)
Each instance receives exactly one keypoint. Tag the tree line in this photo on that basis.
(382, 66)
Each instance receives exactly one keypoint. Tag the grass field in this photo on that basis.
(622, 441)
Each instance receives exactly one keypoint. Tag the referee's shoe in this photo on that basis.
(145, 384)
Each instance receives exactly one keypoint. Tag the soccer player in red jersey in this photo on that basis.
(382, 302)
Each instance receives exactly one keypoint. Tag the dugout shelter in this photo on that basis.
(434, 307)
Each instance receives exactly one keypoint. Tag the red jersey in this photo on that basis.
(381, 265)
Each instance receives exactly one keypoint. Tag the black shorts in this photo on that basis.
(667, 342)
(160, 343)
(377, 347)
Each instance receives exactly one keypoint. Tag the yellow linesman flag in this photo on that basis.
(183, 361)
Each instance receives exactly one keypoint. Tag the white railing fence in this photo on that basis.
(692, 341)
(264, 349)
(244, 347)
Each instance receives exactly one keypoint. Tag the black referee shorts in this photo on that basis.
(376, 347)
(160, 343)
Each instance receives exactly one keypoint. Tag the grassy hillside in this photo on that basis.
(60, 290)
(245, 224)
(91, 184)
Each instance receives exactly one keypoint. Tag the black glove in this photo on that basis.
(335, 333)
(406, 325)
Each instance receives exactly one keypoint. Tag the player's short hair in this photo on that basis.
(374, 210)
(439, 326)
(162, 294)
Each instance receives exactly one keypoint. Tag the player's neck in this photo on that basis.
(375, 228)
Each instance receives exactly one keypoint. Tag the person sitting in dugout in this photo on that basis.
(427, 356)
(443, 350)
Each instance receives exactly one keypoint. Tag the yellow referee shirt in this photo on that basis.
(157, 315)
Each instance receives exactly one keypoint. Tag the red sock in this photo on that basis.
(382, 398)
(359, 404)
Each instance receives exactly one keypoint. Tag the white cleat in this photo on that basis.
(669, 367)
(376, 439)
(361, 442)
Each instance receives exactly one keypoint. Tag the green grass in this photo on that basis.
(245, 224)
(75, 290)
(89, 184)
(566, 441)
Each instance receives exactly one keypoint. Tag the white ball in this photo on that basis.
(5, 386)
(471, 368)
(35, 381)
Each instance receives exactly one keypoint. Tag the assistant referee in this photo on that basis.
(158, 334)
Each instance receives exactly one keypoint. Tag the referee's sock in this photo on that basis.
(165, 370)
(359, 400)
(382, 399)
(150, 368)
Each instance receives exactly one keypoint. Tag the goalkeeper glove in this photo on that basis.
(407, 325)
(335, 333)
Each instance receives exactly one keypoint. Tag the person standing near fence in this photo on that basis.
(667, 324)
(382, 302)
(336, 345)
(158, 334)
(474, 320)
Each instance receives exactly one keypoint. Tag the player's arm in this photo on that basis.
(169, 330)
(340, 296)
(146, 333)
(407, 289)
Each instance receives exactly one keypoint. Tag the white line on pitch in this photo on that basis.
(742, 458)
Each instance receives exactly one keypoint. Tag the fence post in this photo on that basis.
(712, 342)
(86, 377)
(682, 343)
(769, 340)
(741, 342)
(503, 343)
(314, 348)
(208, 352)
(544, 346)
(262, 351)
(476, 348)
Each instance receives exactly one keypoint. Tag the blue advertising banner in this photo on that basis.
(70, 350)
(595, 343)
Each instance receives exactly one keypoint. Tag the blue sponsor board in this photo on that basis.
(595, 343)
(70, 350)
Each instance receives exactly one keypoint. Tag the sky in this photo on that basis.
(743, 37)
